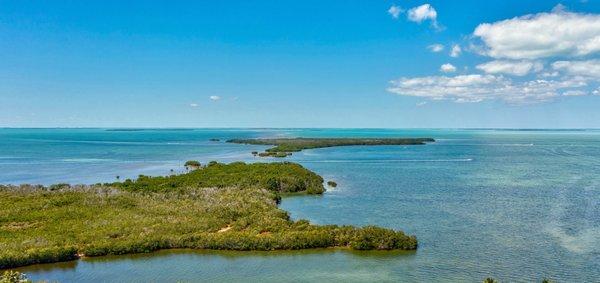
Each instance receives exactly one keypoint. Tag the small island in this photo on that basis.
(285, 146)
(218, 206)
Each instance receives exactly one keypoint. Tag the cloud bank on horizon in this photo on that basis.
(531, 59)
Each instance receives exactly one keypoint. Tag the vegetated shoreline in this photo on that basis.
(218, 207)
(285, 146)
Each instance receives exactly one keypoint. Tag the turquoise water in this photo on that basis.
(512, 204)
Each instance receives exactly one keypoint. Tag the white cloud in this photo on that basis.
(395, 11)
(589, 68)
(516, 68)
(541, 35)
(436, 47)
(574, 93)
(477, 88)
(422, 103)
(456, 50)
(193, 105)
(214, 97)
(447, 68)
(422, 13)
(549, 74)
(520, 46)
(461, 88)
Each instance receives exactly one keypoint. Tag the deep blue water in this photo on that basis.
(517, 205)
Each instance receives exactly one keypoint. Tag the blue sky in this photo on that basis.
(300, 64)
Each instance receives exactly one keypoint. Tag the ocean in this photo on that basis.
(516, 205)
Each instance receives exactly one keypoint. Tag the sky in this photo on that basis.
(347, 64)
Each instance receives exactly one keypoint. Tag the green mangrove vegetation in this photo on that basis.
(219, 206)
(274, 154)
(285, 146)
(192, 164)
(10, 276)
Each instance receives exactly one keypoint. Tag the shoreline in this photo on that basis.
(234, 254)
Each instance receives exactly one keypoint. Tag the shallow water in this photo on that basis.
(512, 204)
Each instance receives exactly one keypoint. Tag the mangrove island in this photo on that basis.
(285, 146)
(218, 206)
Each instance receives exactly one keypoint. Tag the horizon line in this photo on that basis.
(316, 128)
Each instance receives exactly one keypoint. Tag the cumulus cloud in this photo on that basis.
(516, 68)
(477, 88)
(436, 47)
(542, 35)
(395, 11)
(214, 97)
(422, 13)
(455, 51)
(463, 88)
(559, 49)
(549, 74)
(574, 93)
(447, 68)
(588, 68)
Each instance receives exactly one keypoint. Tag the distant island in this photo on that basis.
(285, 146)
(147, 129)
(218, 206)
